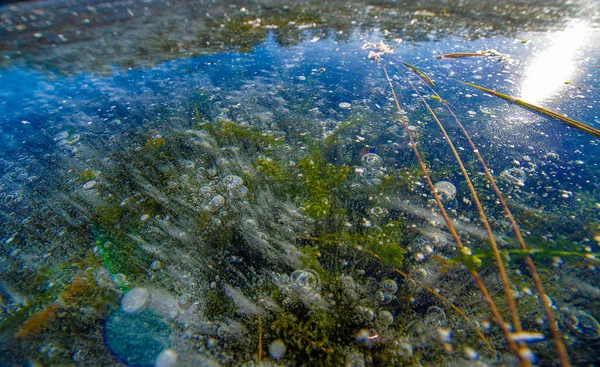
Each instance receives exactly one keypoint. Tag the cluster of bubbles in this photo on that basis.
(349, 287)
(303, 285)
(388, 289)
(446, 191)
(304, 280)
(372, 169)
(213, 197)
(402, 348)
(378, 211)
(429, 242)
(235, 186)
(421, 248)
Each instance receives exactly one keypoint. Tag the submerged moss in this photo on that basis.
(86, 175)
(120, 257)
(228, 133)
(384, 241)
(321, 181)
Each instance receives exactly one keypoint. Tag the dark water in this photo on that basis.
(189, 183)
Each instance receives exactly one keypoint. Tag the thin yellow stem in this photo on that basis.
(492, 306)
(556, 336)
(260, 334)
(541, 110)
(482, 216)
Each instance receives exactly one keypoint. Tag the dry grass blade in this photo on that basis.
(508, 293)
(441, 298)
(421, 73)
(457, 55)
(452, 306)
(541, 110)
(556, 336)
(483, 289)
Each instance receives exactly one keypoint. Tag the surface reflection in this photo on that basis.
(556, 65)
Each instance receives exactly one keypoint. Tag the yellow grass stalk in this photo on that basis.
(488, 299)
(556, 336)
(541, 110)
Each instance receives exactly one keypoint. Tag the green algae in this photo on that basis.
(119, 257)
(86, 175)
(385, 241)
(322, 180)
(227, 133)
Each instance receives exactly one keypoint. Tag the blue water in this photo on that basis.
(262, 88)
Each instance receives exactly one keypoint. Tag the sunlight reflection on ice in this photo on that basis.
(550, 69)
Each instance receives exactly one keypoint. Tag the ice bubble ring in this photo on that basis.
(389, 286)
(582, 324)
(445, 190)
(235, 186)
(371, 160)
(371, 169)
(304, 280)
(232, 181)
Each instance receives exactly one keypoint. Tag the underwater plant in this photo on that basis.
(470, 260)
(263, 206)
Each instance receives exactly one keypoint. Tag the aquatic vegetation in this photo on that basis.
(263, 204)
(228, 132)
(473, 262)
(36, 322)
(155, 142)
(86, 176)
(320, 181)
(385, 241)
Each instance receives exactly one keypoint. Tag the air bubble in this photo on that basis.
(383, 298)
(515, 176)
(434, 317)
(378, 211)
(371, 160)
(135, 301)
(389, 286)
(582, 324)
(89, 185)
(215, 203)
(445, 190)
(61, 136)
(205, 192)
(367, 313)
(166, 358)
(232, 181)
(385, 317)
(304, 280)
(277, 349)
(238, 192)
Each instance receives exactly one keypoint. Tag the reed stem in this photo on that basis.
(492, 306)
(556, 336)
(482, 216)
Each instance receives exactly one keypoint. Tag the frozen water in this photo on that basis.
(183, 182)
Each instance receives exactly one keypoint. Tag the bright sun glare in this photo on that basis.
(554, 66)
